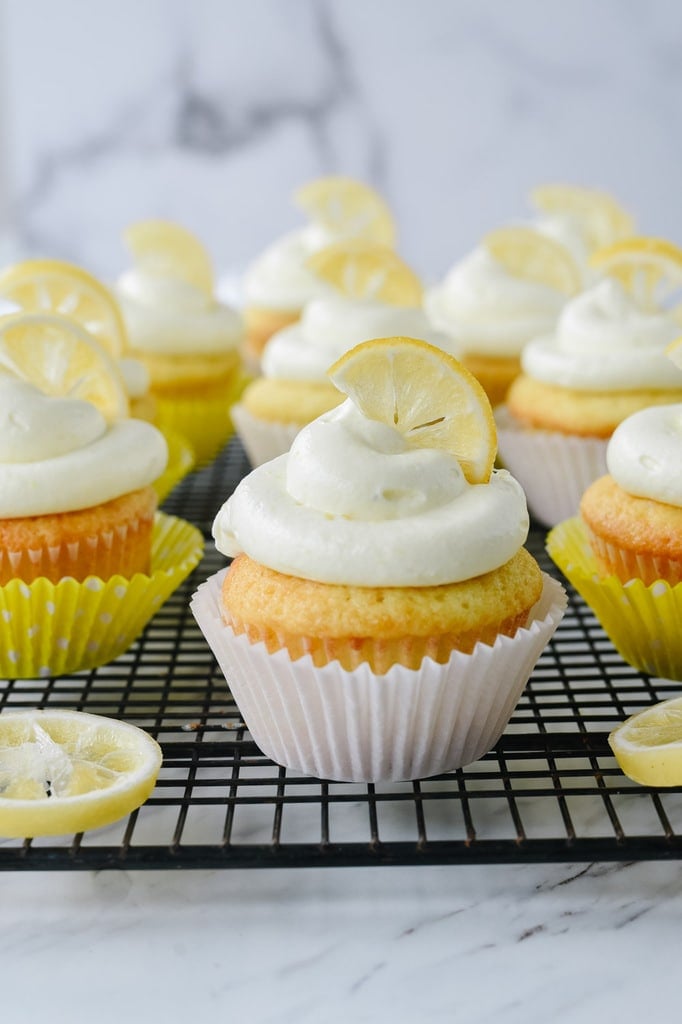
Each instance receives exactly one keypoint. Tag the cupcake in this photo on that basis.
(371, 293)
(623, 552)
(78, 520)
(187, 340)
(509, 289)
(279, 283)
(605, 360)
(381, 616)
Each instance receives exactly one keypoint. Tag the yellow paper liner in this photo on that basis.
(205, 422)
(181, 460)
(50, 629)
(644, 623)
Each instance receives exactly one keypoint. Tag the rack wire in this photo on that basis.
(550, 790)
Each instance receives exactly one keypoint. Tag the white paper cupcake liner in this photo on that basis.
(553, 469)
(262, 439)
(360, 727)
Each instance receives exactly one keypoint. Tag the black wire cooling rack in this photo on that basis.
(549, 791)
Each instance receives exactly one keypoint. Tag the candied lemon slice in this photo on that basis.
(53, 286)
(601, 218)
(426, 394)
(648, 745)
(347, 208)
(649, 268)
(170, 250)
(365, 270)
(58, 356)
(67, 771)
(529, 254)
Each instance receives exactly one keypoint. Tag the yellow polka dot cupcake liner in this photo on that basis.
(644, 623)
(181, 460)
(205, 422)
(51, 629)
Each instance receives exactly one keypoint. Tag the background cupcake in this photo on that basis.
(381, 582)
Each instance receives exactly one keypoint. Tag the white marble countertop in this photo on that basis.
(515, 943)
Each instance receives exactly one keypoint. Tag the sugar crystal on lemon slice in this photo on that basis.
(65, 771)
(648, 745)
(425, 394)
(347, 208)
(528, 254)
(61, 359)
(649, 268)
(365, 270)
(170, 250)
(53, 286)
(600, 217)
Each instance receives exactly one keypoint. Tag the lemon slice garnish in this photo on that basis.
(649, 268)
(426, 394)
(58, 356)
(365, 270)
(52, 286)
(347, 208)
(68, 771)
(532, 256)
(601, 218)
(648, 745)
(170, 250)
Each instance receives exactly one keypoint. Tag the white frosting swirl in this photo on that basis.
(352, 503)
(332, 325)
(490, 311)
(604, 342)
(279, 278)
(644, 454)
(164, 315)
(135, 376)
(59, 455)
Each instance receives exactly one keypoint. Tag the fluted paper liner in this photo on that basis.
(50, 629)
(262, 439)
(554, 469)
(356, 726)
(205, 422)
(181, 461)
(644, 623)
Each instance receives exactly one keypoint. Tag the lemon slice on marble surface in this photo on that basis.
(600, 217)
(649, 268)
(170, 250)
(53, 286)
(528, 254)
(648, 745)
(348, 208)
(63, 360)
(426, 394)
(67, 771)
(365, 270)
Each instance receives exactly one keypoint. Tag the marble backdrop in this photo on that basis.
(211, 111)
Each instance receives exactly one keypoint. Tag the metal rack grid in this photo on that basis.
(549, 791)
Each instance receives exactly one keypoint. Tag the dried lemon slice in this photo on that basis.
(52, 286)
(347, 208)
(426, 394)
(529, 254)
(365, 270)
(648, 745)
(601, 218)
(62, 359)
(170, 250)
(67, 771)
(649, 268)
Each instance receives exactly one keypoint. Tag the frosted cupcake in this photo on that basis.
(279, 283)
(188, 341)
(509, 289)
(381, 616)
(78, 521)
(605, 361)
(371, 293)
(624, 551)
